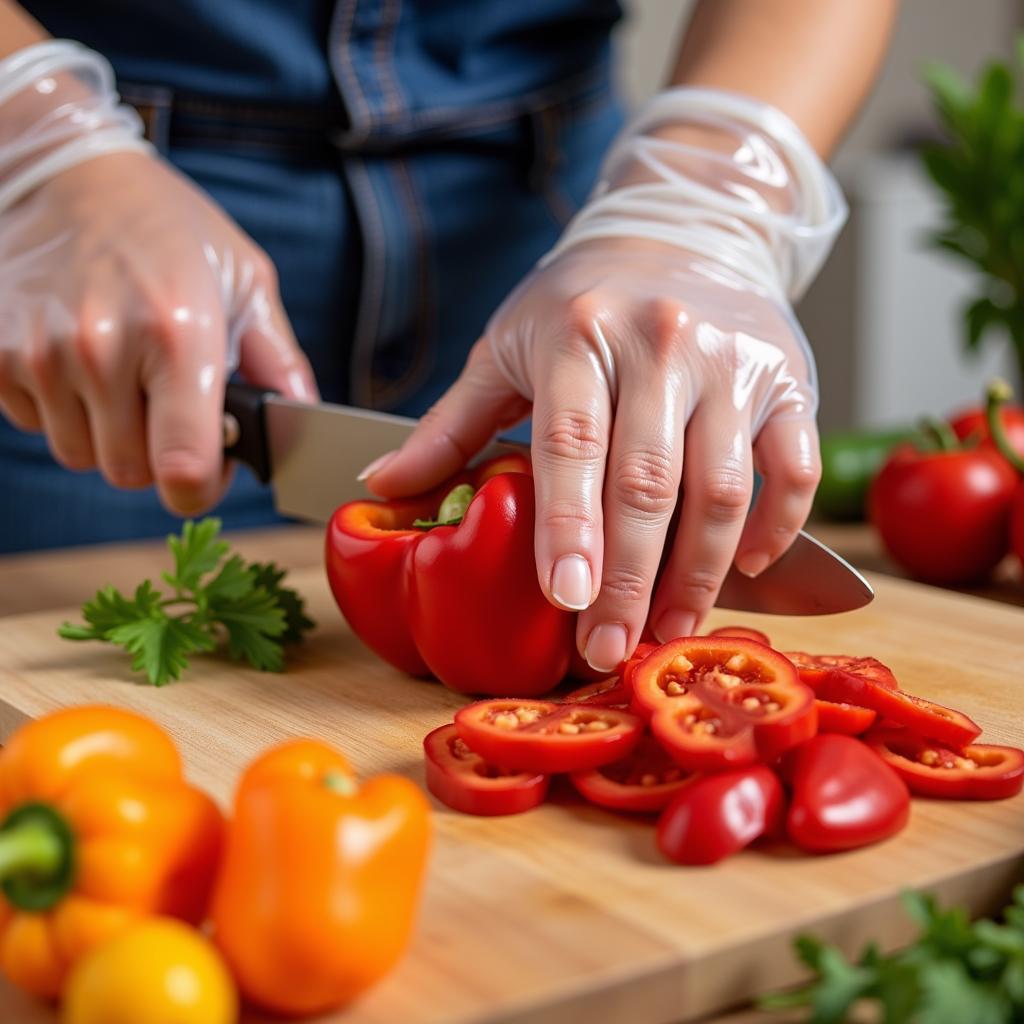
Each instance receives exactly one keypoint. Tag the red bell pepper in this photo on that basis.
(453, 593)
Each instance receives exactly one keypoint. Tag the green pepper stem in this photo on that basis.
(455, 503)
(940, 433)
(340, 783)
(999, 393)
(30, 849)
(452, 509)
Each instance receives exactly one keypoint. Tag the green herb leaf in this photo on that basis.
(254, 624)
(258, 615)
(196, 552)
(979, 171)
(268, 576)
(160, 645)
(955, 972)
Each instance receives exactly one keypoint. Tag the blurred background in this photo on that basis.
(885, 316)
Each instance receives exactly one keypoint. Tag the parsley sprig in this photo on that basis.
(213, 596)
(956, 972)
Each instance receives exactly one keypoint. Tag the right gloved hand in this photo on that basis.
(126, 297)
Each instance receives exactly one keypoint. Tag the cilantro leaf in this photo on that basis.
(955, 972)
(196, 552)
(253, 623)
(234, 581)
(160, 645)
(257, 614)
(268, 576)
(110, 608)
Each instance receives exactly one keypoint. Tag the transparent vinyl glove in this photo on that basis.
(658, 353)
(126, 296)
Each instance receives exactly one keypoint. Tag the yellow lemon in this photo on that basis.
(159, 971)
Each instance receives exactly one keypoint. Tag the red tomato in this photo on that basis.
(981, 771)
(844, 795)
(745, 632)
(814, 667)
(973, 424)
(718, 815)
(545, 737)
(466, 782)
(847, 719)
(944, 516)
(722, 701)
(646, 780)
(609, 693)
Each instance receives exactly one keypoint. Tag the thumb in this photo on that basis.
(479, 404)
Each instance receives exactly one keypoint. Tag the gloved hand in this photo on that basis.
(663, 363)
(126, 296)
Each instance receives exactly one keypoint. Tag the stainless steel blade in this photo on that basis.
(317, 451)
(809, 579)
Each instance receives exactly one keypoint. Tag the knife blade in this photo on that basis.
(311, 455)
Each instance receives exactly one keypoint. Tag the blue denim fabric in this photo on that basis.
(460, 138)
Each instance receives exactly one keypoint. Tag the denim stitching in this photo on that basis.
(372, 290)
(384, 59)
(346, 78)
(424, 311)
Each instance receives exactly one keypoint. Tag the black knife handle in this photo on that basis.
(245, 427)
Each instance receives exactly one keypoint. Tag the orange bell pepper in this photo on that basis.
(97, 829)
(320, 879)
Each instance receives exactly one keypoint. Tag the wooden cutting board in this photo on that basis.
(569, 913)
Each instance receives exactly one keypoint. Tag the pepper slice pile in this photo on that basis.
(743, 743)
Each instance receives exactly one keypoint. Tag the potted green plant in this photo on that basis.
(979, 168)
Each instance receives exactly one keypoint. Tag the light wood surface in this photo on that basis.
(568, 913)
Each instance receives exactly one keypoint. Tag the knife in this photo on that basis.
(311, 455)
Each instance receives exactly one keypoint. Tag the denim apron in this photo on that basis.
(403, 162)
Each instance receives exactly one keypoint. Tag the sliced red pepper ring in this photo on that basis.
(814, 667)
(847, 719)
(644, 781)
(743, 632)
(610, 693)
(979, 771)
(466, 782)
(545, 737)
(723, 701)
(924, 717)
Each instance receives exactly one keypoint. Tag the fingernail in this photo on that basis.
(752, 563)
(606, 646)
(674, 624)
(571, 582)
(377, 465)
(301, 388)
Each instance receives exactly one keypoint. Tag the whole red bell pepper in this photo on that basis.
(446, 584)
